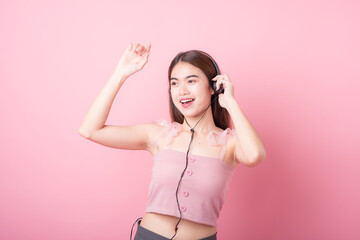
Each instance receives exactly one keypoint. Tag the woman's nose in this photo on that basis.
(183, 89)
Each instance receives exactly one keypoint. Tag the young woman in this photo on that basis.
(194, 155)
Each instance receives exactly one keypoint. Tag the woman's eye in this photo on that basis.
(173, 83)
(191, 81)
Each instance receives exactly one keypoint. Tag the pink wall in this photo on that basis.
(295, 66)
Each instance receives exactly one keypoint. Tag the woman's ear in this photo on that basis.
(212, 91)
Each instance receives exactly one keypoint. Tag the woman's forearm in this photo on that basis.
(249, 141)
(99, 110)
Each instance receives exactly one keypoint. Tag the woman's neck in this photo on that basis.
(204, 126)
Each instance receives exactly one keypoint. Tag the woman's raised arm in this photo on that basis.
(126, 137)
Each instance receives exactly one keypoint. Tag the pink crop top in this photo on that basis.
(203, 187)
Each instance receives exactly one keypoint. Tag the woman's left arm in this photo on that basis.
(249, 148)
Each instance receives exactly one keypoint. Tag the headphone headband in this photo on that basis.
(215, 65)
(220, 90)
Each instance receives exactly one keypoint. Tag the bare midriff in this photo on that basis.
(165, 226)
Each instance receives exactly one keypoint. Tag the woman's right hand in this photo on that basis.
(133, 59)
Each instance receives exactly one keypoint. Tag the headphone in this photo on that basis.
(221, 89)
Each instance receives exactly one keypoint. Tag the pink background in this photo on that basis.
(295, 67)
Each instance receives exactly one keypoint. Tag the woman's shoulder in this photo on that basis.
(226, 138)
(162, 125)
(221, 136)
(167, 124)
(158, 129)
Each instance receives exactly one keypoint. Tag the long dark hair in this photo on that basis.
(202, 61)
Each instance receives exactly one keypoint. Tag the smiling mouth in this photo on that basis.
(187, 101)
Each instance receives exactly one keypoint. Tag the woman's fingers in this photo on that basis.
(223, 76)
(129, 47)
(135, 47)
(147, 50)
(148, 47)
(139, 49)
(221, 79)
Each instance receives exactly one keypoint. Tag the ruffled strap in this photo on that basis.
(220, 138)
(169, 131)
(172, 129)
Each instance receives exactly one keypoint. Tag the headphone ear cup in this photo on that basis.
(214, 86)
(221, 89)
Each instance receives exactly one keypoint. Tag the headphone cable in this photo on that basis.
(186, 165)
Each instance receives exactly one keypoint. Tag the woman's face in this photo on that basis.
(190, 89)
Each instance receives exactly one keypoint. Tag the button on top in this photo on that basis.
(185, 194)
(189, 172)
(192, 159)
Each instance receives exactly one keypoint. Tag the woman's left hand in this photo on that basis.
(228, 94)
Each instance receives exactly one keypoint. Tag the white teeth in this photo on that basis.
(187, 100)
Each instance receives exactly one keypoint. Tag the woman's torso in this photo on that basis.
(165, 224)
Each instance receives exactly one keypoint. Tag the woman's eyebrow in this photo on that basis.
(185, 78)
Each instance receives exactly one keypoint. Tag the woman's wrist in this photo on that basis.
(119, 76)
(230, 103)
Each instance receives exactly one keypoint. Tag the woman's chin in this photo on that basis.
(189, 114)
